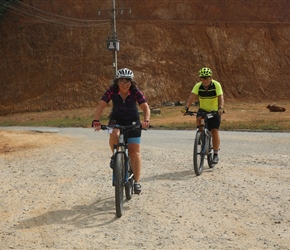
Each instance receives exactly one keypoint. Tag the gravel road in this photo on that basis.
(59, 195)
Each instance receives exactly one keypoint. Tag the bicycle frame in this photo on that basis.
(202, 143)
(122, 148)
(208, 135)
(121, 171)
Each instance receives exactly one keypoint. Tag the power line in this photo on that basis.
(56, 15)
(28, 10)
(190, 21)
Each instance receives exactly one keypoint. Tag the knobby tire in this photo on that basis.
(119, 180)
(129, 184)
(210, 154)
(198, 153)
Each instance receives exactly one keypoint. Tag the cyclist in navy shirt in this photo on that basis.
(125, 96)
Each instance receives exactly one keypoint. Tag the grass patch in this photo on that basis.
(169, 118)
(255, 126)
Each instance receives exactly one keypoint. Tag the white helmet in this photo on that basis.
(125, 73)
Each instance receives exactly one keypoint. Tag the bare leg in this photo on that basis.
(134, 152)
(114, 136)
(215, 139)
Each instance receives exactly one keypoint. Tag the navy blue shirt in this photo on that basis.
(124, 112)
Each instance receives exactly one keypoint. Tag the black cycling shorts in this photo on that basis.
(213, 122)
(134, 133)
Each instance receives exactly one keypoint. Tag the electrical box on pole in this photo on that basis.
(113, 44)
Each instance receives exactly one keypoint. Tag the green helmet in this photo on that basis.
(205, 72)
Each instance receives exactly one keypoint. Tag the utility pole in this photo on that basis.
(113, 44)
(115, 40)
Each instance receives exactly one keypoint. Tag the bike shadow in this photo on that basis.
(99, 213)
(181, 175)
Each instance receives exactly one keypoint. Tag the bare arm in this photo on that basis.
(191, 99)
(99, 110)
(221, 101)
(221, 104)
(144, 106)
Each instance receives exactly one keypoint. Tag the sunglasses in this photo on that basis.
(124, 80)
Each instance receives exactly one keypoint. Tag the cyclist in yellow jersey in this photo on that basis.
(209, 94)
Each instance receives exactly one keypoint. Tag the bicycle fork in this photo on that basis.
(205, 142)
(126, 158)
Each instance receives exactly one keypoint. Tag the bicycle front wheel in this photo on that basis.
(119, 180)
(210, 154)
(198, 153)
(129, 183)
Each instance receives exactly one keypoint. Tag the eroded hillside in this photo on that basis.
(54, 54)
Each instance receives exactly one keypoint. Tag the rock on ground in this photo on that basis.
(58, 195)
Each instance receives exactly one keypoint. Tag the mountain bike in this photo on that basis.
(202, 143)
(122, 172)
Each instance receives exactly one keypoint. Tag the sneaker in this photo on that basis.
(215, 159)
(137, 188)
(112, 162)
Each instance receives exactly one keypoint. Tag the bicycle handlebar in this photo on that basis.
(194, 113)
(191, 113)
(121, 127)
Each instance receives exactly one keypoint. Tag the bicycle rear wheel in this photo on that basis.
(198, 153)
(119, 180)
(130, 182)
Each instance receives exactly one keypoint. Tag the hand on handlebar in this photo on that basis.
(145, 124)
(221, 111)
(184, 111)
(96, 124)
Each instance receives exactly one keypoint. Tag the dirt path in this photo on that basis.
(56, 193)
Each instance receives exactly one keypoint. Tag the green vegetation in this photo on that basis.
(53, 122)
(261, 125)
(170, 118)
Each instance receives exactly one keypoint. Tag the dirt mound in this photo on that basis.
(13, 141)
